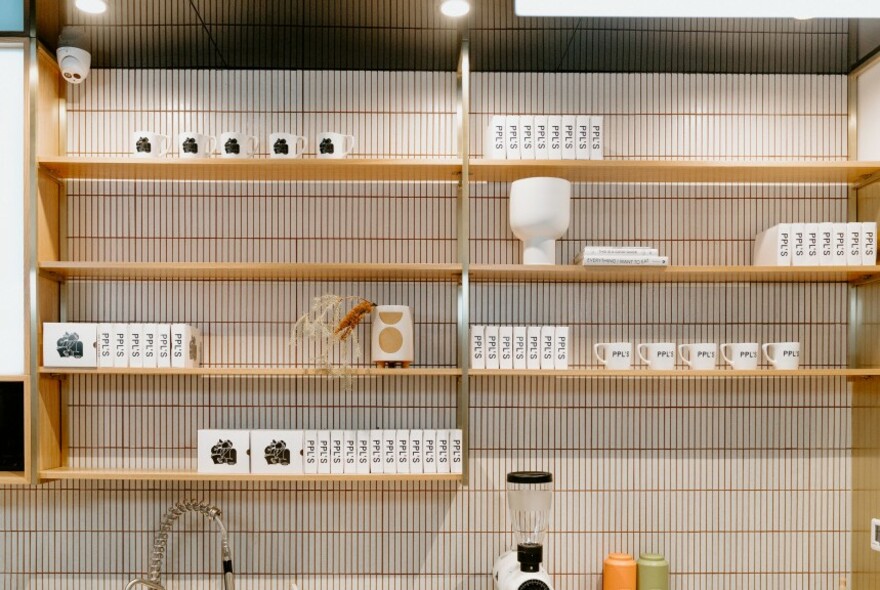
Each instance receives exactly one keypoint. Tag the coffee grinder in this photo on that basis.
(529, 500)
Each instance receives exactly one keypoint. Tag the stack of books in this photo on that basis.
(620, 256)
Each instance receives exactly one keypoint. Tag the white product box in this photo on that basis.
(389, 451)
(869, 243)
(105, 345)
(416, 464)
(456, 451)
(582, 137)
(185, 346)
(136, 345)
(151, 347)
(799, 244)
(813, 244)
(853, 244)
(826, 244)
(121, 346)
(310, 451)
(324, 452)
(554, 137)
(560, 347)
(401, 447)
(773, 246)
(512, 137)
(377, 451)
(443, 454)
(277, 451)
(494, 148)
(429, 451)
(533, 347)
(478, 347)
(548, 333)
(363, 452)
(350, 452)
(839, 249)
(163, 346)
(597, 138)
(70, 345)
(224, 451)
(569, 134)
(519, 347)
(493, 361)
(527, 132)
(542, 138)
(337, 452)
(505, 347)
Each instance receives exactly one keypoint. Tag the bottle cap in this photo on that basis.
(529, 556)
(529, 477)
(651, 557)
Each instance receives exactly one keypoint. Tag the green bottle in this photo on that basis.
(653, 572)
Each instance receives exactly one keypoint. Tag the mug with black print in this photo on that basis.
(146, 144)
(233, 144)
(286, 145)
(334, 145)
(192, 144)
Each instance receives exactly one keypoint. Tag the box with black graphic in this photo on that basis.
(277, 452)
(224, 451)
(70, 345)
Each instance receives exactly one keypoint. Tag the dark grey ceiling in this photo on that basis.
(413, 35)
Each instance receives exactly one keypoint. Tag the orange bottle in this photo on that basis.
(619, 572)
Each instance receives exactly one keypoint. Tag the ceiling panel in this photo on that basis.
(413, 35)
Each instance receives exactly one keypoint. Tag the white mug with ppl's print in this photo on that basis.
(700, 356)
(334, 145)
(195, 145)
(146, 144)
(286, 145)
(237, 145)
(614, 355)
(741, 356)
(783, 355)
(659, 356)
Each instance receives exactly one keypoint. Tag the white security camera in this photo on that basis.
(73, 54)
(74, 63)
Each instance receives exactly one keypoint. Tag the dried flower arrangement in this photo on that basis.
(329, 326)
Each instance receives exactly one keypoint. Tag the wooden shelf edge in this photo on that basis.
(254, 372)
(639, 373)
(256, 169)
(13, 379)
(13, 478)
(66, 473)
(62, 271)
(573, 273)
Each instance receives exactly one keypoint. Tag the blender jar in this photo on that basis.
(529, 501)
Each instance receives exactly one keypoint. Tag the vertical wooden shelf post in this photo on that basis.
(463, 243)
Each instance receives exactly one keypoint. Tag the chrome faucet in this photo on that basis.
(157, 557)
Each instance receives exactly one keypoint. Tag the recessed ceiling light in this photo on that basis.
(455, 8)
(700, 8)
(92, 6)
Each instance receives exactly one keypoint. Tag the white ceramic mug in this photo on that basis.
(146, 144)
(659, 356)
(615, 355)
(741, 356)
(334, 145)
(700, 356)
(191, 144)
(286, 145)
(233, 144)
(783, 355)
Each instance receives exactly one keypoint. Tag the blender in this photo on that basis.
(529, 500)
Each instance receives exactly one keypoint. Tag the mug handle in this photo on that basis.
(641, 356)
(301, 142)
(212, 145)
(681, 349)
(350, 147)
(724, 356)
(254, 143)
(765, 349)
(166, 143)
(596, 348)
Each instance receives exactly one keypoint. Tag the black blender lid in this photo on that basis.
(530, 477)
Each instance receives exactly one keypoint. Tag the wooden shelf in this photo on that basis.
(253, 372)
(640, 373)
(351, 169)
(66, 473)
(225, 271)
(683, 171)
(13, 478)
(572, 273)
